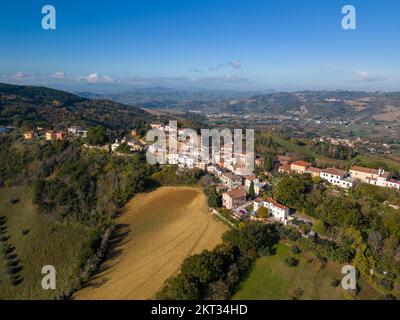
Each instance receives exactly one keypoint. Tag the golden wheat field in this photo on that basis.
(158, 230)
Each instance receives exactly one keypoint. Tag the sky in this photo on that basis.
(248, 45)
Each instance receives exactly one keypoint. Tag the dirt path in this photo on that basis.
(162, 228)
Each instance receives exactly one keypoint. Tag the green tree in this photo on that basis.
(214, 199)
(319, 227)
(252, 193)
(262, 213)
(205, 267)
(251, 236)
(269, 161)
(179, 287)
(124, 148)
(96, 136)
(292, 190)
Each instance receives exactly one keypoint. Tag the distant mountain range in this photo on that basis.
(32, 106)
(314, 104)
(160, 97)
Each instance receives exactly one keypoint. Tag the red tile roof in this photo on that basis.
(251, 178)
(334, 171)
(302, 163)
(313, 169)
(365, 170)
(237, 193)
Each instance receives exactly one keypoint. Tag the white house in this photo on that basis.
(231, 180)
(337, 177)
(279, 211)
(248, 180)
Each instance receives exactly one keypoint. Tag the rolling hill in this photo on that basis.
(31, 106)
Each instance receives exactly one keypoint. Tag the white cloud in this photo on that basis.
(59, 75)
(365, 76)
(96, 78)
(21, 76)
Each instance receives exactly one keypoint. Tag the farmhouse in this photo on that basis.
(284, 168)
(233, 199)
(284, 159)
(315, 172)
(377, 177)
(300, 166)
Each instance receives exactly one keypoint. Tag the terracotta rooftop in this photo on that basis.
(276, 204)
(237, 193)
(334, 171)
(365, 170)
(369, 170)
(302, 163)
(313, 169)
(284, 167)
(251, 178)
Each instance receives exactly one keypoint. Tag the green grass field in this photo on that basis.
(45, 243)
(272, 279)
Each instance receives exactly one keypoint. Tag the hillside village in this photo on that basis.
(244, 194)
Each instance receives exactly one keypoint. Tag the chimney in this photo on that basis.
(381, 171)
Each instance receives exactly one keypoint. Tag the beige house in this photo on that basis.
(377, 177)
(365, 174)
(300, 166)
(315, 172)
(234, 199)
(284, 168)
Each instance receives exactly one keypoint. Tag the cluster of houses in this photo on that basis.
(340, 178)
(234, 189)
(51, 135)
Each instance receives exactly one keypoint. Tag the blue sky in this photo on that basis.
(236, 44)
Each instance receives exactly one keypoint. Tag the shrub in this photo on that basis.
(295, 249)
(335, 283)
(296, 293)
(15, 200)
(386, 284)
(291, 262)
(24, 232)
